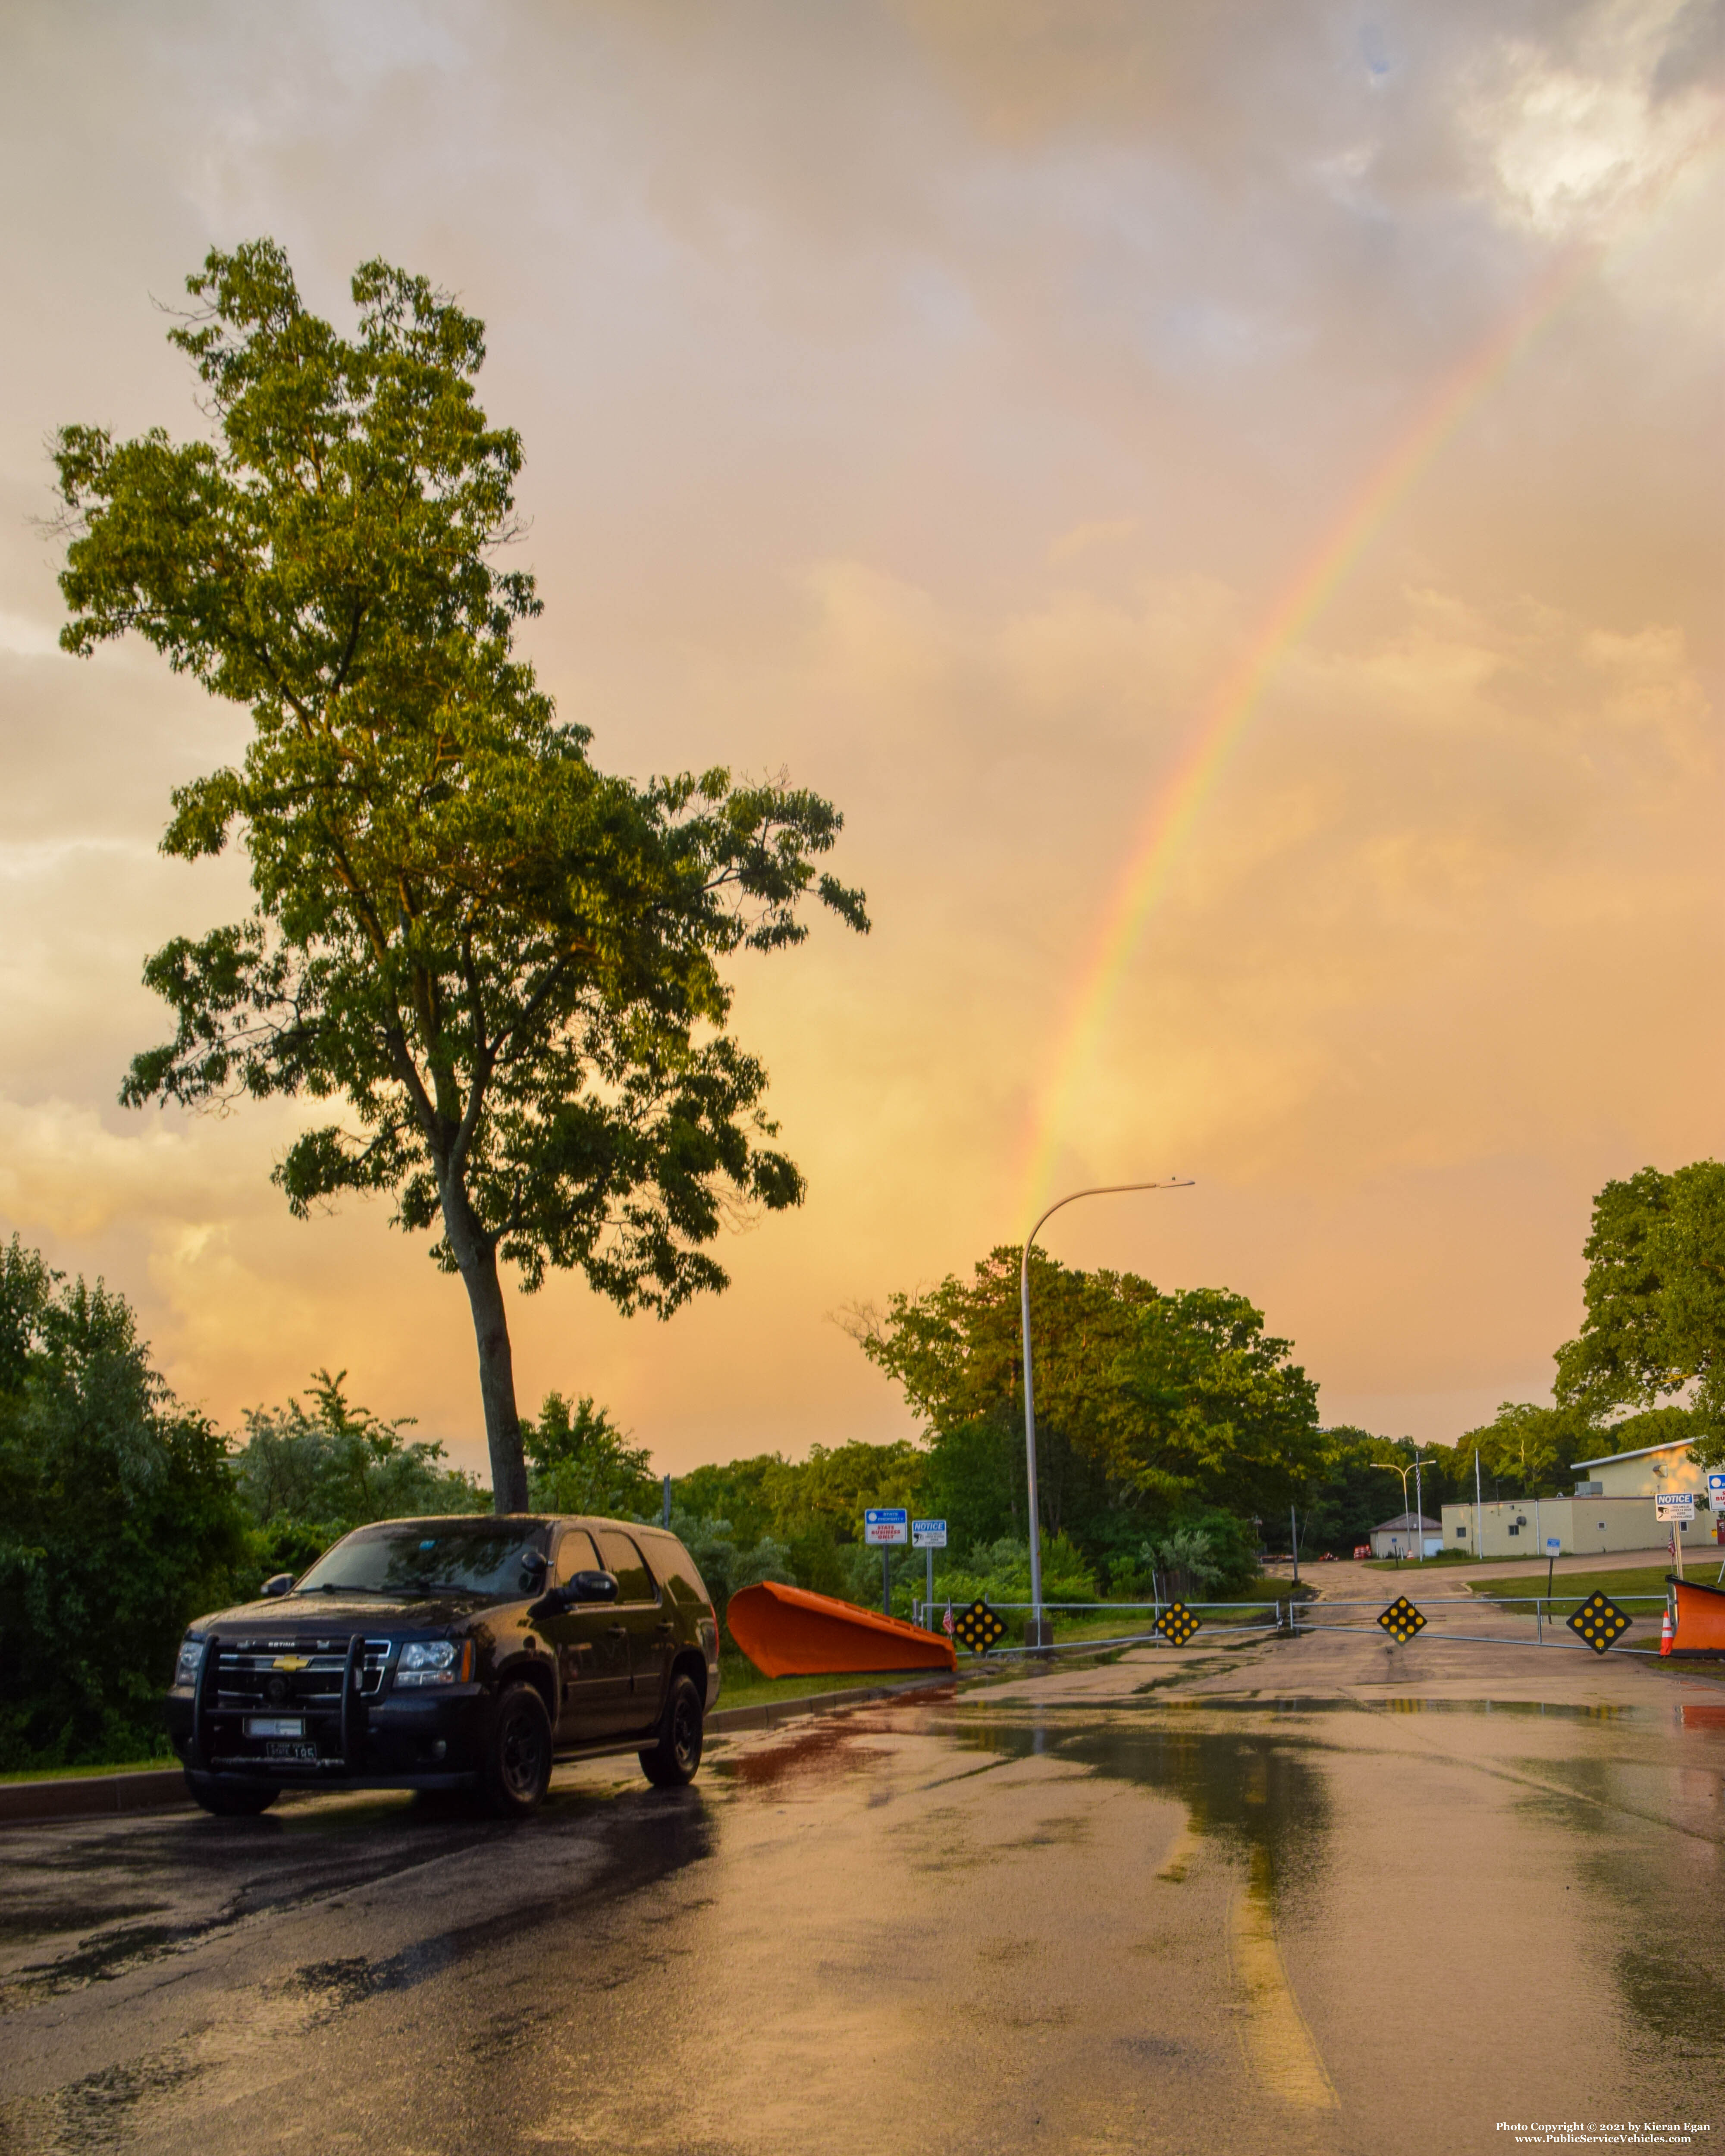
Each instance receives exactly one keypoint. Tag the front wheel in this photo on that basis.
(517, 1766)
(674, 1761)
(231, 1799)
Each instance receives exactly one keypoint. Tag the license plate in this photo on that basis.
(275, 1725)
(306, 1755)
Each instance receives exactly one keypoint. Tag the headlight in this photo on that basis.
(428, 1662)
(186, 1669)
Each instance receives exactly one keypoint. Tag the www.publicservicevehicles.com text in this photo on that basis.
(1609, 2132)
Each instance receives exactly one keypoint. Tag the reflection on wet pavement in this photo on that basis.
(1057, 1923)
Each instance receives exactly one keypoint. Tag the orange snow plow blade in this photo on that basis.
(788, 1632)
(1700, 1628)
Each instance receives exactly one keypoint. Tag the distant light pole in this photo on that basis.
(1405, 1472)
(1099, 1190)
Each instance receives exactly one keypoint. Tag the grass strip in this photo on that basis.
(1572, 1588)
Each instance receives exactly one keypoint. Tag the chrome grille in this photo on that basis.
(244, 1673)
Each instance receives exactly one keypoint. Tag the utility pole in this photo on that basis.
(1294, 1541)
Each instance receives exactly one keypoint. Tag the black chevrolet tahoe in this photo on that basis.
(456, 1653)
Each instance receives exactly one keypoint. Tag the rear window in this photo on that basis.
(677, 1569)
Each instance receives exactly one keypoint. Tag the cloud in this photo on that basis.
(938, 398)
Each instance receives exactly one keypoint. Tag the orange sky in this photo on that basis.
(934, 401)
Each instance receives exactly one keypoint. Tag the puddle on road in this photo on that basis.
(1250, 1782)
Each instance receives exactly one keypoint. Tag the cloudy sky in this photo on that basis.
(942, 401)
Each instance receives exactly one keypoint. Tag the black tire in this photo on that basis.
(674, 1762)
(231, 1799)
(517, 1763)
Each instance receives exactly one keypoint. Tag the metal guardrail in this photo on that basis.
(1299, 1628)
(1267, 1617)
(1300, 1620)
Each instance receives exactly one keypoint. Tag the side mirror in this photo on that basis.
(579, 1587)
(282, 1583)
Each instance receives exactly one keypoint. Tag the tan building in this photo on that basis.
(1611, 1509)
(1518, 1526)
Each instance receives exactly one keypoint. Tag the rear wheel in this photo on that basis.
(231, 1799)
(518, 1756)
(674, 1760)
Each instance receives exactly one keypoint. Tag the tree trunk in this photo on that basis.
(478, 1262)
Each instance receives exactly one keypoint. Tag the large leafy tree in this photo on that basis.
(504, 962)
(1654, 1302)
(1147, 1403)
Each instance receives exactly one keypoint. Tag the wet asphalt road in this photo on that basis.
(1314, 1896)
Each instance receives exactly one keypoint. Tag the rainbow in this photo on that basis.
(1228, 713)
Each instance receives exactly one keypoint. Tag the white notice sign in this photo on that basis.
(928, 1534)
(1553, 1546)
(886, 1526)
(1675, 1505)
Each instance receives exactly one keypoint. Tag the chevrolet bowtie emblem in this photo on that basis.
(292, 1662)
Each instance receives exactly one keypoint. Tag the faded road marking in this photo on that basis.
(1278, 2043)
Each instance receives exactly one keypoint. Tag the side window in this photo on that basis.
(618, 1554)
(575, 1553)
(676, 1569)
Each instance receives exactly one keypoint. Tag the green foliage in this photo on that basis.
(1356, 1490)
(1204, 1555)
(507, 963)
(727, 1561)
(1207, 1406)
(1525, 1451)
(119, 1521)
(1148, 1404)
(1000, 1570)
(1655, 1304)
(820, 1499)
(338, 1463)
(579, 1461)
(767, 1517)
(974, 1475)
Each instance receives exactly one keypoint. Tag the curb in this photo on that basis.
(771, 1713)
(101, 1796)
(84, 1796)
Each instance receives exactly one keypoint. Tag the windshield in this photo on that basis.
(498, 1558)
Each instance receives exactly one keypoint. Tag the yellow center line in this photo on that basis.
(1279, 2045)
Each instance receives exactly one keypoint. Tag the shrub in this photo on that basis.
(119, 1521)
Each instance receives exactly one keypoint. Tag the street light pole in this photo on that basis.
(1099, 1190)
(1390, 1467)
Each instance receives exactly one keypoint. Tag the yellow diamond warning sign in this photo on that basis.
(978, 1628)
(1599, 1621)
(1176, 1624)
(1402, 1620)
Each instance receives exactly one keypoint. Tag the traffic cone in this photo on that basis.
(1666, 1633)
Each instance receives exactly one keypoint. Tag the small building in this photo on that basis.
(1402, 1536)
(1583, 1525)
